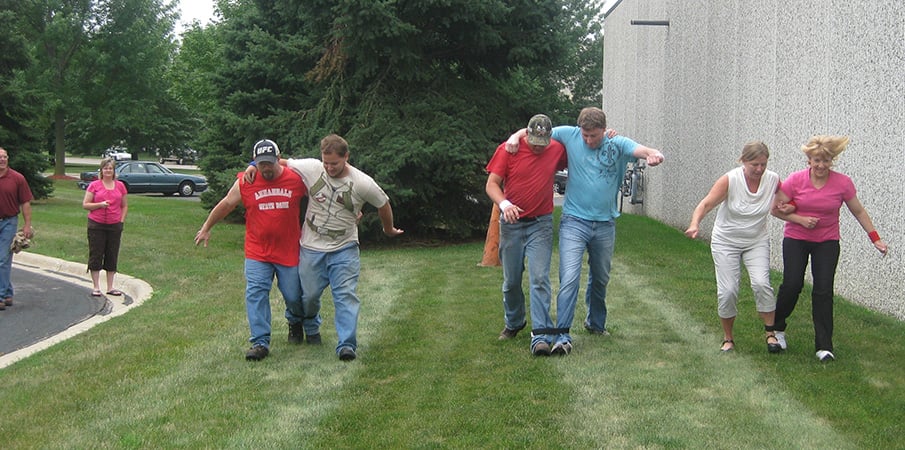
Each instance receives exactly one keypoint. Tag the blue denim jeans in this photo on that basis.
(575, 236)
(8, 229)
(259, 280)
(338, 269)
(532, 240)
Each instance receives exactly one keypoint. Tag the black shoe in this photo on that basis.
(314, 339)
(509, 333)
(257, 353)
(347, 354)
(296, 333)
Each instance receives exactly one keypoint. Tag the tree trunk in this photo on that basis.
(59, 129)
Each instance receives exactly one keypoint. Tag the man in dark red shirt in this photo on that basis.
(272, 233)
(15, 197)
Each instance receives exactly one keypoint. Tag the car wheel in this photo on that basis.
(186, 189)
(558, 187)
(181, 162)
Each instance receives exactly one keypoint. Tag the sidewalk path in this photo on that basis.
(53, 302)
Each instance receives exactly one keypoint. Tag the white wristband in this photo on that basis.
(505, 204)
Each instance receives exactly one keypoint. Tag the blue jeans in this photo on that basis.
(259, 279)
(575, 236)
(338, 269)
(533, 240)
(8, 229)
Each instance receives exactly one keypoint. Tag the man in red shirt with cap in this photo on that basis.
(272, 233)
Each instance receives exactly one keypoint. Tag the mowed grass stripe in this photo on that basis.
(439, 377)
(660, 381)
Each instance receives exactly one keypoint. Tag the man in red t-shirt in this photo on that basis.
(15, 197)
(272, 233)
(522, 185)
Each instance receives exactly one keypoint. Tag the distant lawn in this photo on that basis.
(431, 372)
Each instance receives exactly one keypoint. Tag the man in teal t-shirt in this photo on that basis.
(596, 167)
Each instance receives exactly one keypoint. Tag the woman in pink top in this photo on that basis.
(812, 231)
(105, 199)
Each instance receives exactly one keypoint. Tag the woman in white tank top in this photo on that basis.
(745, 196)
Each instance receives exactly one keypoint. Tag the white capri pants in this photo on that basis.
(727, 260)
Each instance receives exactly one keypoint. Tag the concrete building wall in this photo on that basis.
(727, 72)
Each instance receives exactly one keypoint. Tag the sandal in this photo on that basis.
(731, 345)
(96, 293)
(115, 292)
(773, 347)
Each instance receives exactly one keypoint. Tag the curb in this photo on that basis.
(137, 290)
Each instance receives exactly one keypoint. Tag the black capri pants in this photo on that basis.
(103, 245)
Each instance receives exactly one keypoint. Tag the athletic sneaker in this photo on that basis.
(825, 356)
(562, 348)
(347, 354)
(781, 337)
(296, 333)
(541, 349)
(257, 353)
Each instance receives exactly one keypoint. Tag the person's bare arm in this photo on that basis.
(652, 156)
(512, 142)
(494, 189)
(385, 213)
(782, 204)
(717, 195)
(26, 215)
(223, 208)
(125, 207)
(89, 204)
(857, 209)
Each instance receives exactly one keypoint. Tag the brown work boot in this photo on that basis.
(509, 333)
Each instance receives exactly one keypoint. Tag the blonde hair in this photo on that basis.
(827, 146)
(754, 150)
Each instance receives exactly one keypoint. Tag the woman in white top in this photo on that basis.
(745, 196)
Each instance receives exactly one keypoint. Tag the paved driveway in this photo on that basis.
(53, 302)
(43, 306)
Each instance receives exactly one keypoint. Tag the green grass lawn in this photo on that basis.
(431, 372)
